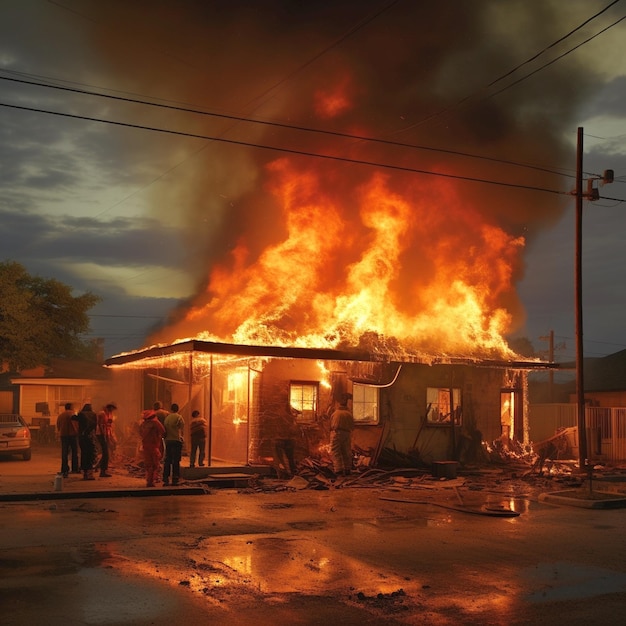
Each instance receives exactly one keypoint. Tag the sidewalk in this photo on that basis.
(36, 480)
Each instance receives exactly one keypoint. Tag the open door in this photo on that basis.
(511, 422)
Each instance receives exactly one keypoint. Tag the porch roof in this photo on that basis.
(148, 356)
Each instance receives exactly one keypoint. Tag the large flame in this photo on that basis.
(290, 249)
(416, 267)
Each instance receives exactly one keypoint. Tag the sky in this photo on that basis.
(139, 140)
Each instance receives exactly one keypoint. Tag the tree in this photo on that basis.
(40, 319)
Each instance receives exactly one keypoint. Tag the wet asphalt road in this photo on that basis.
(346, 556)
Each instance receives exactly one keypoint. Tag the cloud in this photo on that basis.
(110, 208)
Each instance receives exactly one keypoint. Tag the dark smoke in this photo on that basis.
(415, 72)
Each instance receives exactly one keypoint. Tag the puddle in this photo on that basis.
(284, 565)
(570, 581)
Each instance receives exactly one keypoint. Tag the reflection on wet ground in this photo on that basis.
(398, 562)
(287, 565)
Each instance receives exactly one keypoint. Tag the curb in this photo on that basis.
(562, 497)
(105, 493)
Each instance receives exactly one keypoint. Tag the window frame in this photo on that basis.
(371, 420)
(435, 404)
(305, 415)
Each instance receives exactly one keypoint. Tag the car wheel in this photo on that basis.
(26, 455)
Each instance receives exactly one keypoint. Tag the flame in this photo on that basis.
(415, 267)
(324, 375)
(330, 103)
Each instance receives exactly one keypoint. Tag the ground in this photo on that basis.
(405, 552)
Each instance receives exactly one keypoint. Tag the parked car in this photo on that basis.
(14, 436)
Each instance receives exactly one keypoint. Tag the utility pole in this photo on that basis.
(580, 383)
(550, 340)
(591, 194)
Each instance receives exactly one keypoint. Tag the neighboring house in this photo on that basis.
(39, 394)
(605, 380)
(436, 408)
(605, 408)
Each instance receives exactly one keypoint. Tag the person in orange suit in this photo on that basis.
(151, 432)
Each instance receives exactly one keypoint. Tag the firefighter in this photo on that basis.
(152, 432)
(341, 427)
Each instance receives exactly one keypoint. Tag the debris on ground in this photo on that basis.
(389, 603)
(508, 469)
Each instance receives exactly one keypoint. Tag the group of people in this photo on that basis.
(88, 432)
(161, 435)
(285, 428)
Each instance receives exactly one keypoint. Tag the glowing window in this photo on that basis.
(303, 397)
(365, 404)
(438, 411)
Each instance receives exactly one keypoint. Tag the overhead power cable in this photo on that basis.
(582, 43)
(142, 317)
(552, 45)
(488, 96)
(285, 126)
(286, 150)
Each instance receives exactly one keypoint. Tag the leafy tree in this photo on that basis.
(40, 319)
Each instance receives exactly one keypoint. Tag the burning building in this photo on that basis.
(360, 227)
(437, 409)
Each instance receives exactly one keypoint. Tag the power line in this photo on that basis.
(470, 96)
(287, 150)
(142, 317)
(236, 118)
(553, 44)
(582, 43)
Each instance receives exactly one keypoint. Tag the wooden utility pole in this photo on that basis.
(551, 359)
(591, 194)
(580, 383)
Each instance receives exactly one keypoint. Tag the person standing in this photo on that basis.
(174, 425)
(104, 430)
(341, 427)
(198, 428)
(67, 428)
(86, 420)
(286, 433)
(151, 432)
(161, 413)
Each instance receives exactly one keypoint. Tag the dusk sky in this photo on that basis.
(140, 204)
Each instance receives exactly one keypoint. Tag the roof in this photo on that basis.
(195, 347)
(66, 369)
(606, 373)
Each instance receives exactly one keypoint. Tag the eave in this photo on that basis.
(193, 346)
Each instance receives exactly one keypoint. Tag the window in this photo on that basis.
(438, 406)
(303, 397)
(365, 404)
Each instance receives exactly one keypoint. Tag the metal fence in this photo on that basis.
(606, 427)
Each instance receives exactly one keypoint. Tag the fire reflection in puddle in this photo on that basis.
(285, 566)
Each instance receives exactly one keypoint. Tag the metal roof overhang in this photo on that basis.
(324, 354)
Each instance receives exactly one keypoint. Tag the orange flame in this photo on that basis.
(334, 102)
(415, 267)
